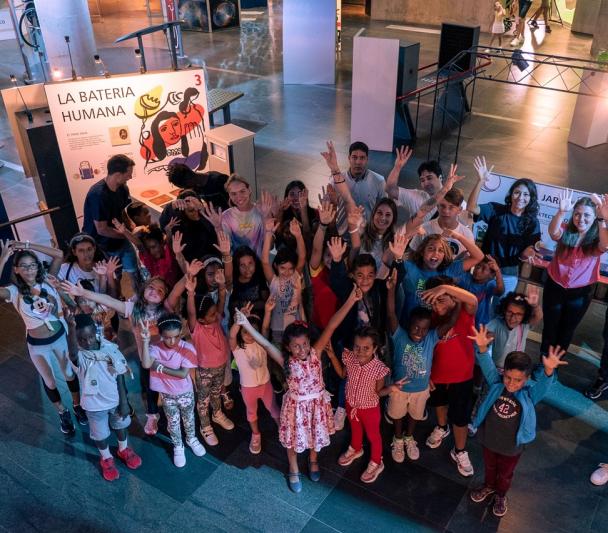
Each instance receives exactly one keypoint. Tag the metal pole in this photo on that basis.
(140, 44)
(15, 21)
(172, 52)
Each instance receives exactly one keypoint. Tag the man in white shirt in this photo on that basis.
(449, 209)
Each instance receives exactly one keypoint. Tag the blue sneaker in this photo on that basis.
(315, 475)
(295, 485)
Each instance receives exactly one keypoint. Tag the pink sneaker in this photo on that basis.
(108, 469)
(349, 456)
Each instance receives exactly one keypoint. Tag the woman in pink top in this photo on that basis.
(205, 323)
(170, 360)
(575, 267)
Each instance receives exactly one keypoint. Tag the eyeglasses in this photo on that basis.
(28, 266)
(516, 315)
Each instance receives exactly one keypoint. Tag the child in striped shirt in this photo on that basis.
(364, 374)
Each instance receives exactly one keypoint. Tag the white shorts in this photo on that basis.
(403, 403)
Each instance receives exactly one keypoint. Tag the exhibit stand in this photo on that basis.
(589, 125)
(309, 42)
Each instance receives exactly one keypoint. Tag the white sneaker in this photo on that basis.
(472, 430)
(222, 420)
(209, 436)
(600, 476)
(397, 450)
(462, 461)
(436, 437)
(411, 448)
(151, 427)
(197, 447)
(179, 456)
(339, 418)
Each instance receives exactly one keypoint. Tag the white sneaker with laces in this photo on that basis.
(397, 450)
(209, 436)
(465, 468)
(600, 476)
(179, 456)
(339, 418)
(222, 420)
(436, 437)
(197, 447)
(411, 448)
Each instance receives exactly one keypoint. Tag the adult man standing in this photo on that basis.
(365, 186)
(106, 201)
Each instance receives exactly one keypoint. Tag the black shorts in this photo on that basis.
(524, 7)
(459, 399)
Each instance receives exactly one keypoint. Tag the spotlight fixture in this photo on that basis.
(99, 61)
(57, 74)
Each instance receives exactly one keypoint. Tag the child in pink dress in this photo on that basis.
(306, 421)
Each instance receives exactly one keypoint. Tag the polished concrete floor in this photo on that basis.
(49, 482)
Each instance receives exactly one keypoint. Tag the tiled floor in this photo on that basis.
(48, 482)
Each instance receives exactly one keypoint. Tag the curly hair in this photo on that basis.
(529, 218)
(418, 255)
(515, 298)
(297, 329)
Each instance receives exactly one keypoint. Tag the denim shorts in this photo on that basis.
(524, 7)
(100, 422)
(127, 256)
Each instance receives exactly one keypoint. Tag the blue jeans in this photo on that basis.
(127, 256)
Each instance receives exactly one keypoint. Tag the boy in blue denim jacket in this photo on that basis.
(506, 419)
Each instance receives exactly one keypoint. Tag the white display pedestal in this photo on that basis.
(309, 42)
(589, 125)
(375, 67)
(232, 150)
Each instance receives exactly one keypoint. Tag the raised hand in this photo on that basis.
(337, 248)
(214, 216)
(119, 226)
(355, 217)
(70, 288)
(190, 283)
(482, 168)
(402, 156)
(294, 228)
(398, 246)
(566, 200)
(223, 245)
(7, 249)
(391, 281)
(327, 213)
(247, 308)
(112, 266)
(270, 303)
(482, 337)
(330, 157)
(144, 330)
(194, 267)
(176, 243)
(601, 205)
(532, 295)
(553, 359)
(429, 296)
(101, 268)
(453, 178)
(174, 221)
(266, 204)
(492, 264)
(240, 318)
(220, 278)
(356, 294)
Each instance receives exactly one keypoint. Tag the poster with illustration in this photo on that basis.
(157, 119)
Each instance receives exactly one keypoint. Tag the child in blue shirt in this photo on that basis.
(412, 360)
(507, 418)
(485, 282)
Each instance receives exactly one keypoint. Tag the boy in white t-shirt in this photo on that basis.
(449, 209)
(100, 367)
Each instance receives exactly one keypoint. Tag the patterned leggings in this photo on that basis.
(209, 383)
(176, 408)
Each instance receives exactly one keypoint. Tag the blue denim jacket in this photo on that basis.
(528, 396)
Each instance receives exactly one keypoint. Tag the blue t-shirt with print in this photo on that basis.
(413, 360)
(414, 283)
(484, 293)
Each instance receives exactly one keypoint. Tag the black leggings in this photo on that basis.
(604, 363)
(151, 396)
(563, 309)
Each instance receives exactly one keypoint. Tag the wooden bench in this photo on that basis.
(220, 99)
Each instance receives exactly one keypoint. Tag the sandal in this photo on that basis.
(315, 475)
(227, 400)
(295, 485)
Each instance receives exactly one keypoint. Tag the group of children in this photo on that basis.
(291, 301)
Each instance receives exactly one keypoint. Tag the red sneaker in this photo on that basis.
(108, 469)
(130, 458)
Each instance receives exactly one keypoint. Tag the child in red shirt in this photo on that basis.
(453, 362)
(364, 374)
